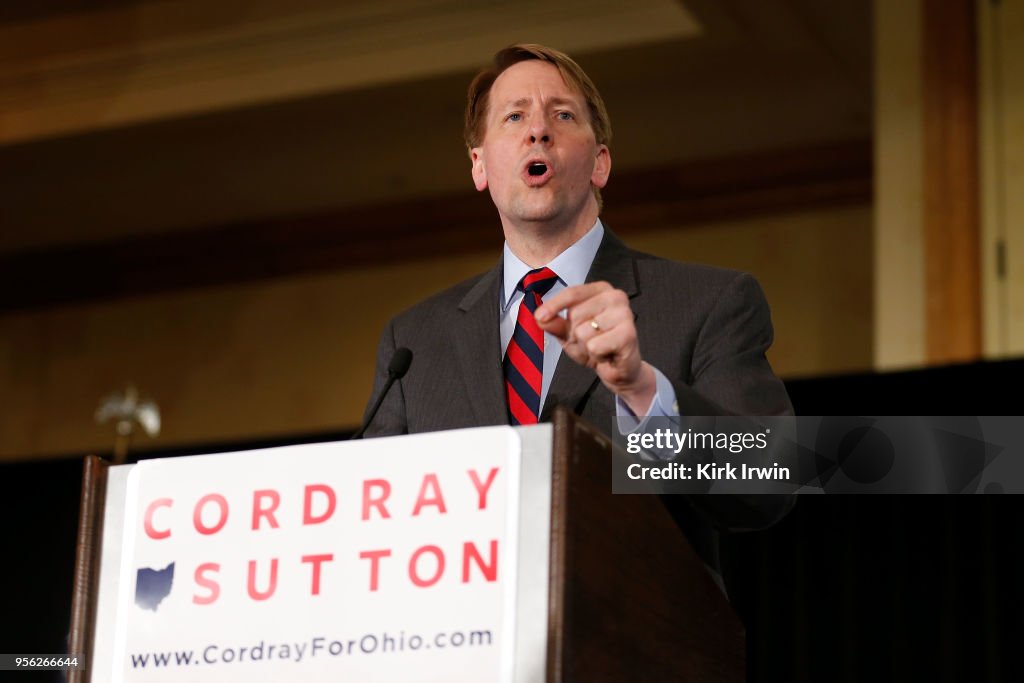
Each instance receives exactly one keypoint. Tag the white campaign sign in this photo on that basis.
(384, 560)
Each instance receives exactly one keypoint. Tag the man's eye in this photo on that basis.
(565, 116)
(514, 116)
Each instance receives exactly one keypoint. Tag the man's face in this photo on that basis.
(539, 157)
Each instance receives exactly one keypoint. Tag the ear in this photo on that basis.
(602, 167)
(476, 155)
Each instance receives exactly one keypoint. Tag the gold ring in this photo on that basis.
(595, 324)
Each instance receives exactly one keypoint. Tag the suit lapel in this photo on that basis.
(477, 345)
(613, 264)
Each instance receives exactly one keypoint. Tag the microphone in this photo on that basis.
(399, 365)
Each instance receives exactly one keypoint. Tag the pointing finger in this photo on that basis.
(569, 297)
(557, 326)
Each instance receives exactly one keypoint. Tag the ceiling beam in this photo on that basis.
(130, 63)
(673, 196)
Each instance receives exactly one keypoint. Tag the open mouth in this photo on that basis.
(537, 168)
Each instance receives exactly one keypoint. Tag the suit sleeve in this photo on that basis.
(731, 375)
(730, 372)
(391, 418)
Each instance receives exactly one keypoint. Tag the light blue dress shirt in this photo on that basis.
(571, 267)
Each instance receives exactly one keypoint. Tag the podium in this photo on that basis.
(626, 598)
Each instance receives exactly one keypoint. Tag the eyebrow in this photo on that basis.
(556, 101)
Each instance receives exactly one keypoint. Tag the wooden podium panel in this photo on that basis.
(87, 563)
(630, 599)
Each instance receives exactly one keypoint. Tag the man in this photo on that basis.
(571, 315)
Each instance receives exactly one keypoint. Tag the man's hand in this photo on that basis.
(598, 332)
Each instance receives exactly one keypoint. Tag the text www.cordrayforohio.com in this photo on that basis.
(318, 647)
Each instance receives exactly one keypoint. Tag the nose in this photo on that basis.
(539, 130)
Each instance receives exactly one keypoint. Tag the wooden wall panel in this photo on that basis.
(951, 206)
(294, 355)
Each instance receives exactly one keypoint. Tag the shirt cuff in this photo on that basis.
(662, 405)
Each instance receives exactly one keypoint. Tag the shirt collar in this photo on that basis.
(571, 266)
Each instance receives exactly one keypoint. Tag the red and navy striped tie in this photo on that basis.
(524, 358)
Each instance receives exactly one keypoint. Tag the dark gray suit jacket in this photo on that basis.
(707, 329)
